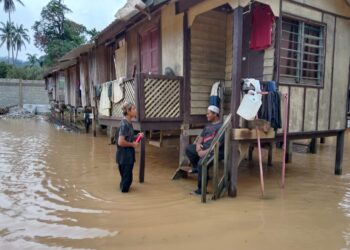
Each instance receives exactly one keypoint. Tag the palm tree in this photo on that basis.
(20, 36)
(32, 59)
(9, 6)
(6, 36)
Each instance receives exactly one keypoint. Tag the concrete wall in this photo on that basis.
(33, 92)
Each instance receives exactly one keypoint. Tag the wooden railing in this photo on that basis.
(160, 98)
(219, 186)
(129, 96)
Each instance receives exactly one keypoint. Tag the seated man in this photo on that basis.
(197, 151)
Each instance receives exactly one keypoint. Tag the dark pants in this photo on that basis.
(194, 159)
(126, 177)
(87, 122)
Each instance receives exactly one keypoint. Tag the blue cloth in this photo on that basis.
(214, 100)
(271, 86)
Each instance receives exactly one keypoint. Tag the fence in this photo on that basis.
(19, 92)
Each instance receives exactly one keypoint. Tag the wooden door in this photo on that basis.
(149, 51)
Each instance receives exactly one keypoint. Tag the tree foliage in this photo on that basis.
(55, 34)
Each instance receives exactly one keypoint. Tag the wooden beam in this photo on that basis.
(313, 146)
(241, 134)
(186, 70)
(142, 161)
(339, 153)
(183, 5)
(235, 94)
(261, 124)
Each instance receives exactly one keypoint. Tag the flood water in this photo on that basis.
(59, 190)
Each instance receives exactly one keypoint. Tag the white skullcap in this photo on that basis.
(214, 109)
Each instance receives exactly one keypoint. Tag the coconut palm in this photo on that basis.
(32, 59)
(6, 36)
(9, 6)
(20, 37)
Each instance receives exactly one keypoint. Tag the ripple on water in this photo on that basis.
(31, 205)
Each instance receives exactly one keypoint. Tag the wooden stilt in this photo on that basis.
(184, 141)
(269, 156)
(216, 171)
(227, 156)
(232, 189)
(313, 146)
(339, 153)
(142, 161)
(250, 153)
(235, 93)
(323, 140)
(204, 184)
(289, 152)
(94, 121)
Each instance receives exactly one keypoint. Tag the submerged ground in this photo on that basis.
(59, 190)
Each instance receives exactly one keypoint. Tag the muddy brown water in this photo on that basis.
(59, 190)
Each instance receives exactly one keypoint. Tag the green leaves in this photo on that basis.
(55, 34)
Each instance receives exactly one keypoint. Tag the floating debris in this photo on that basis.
(16, 113)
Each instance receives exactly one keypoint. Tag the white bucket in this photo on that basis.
(249, 106)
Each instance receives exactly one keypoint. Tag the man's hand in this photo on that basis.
(198, 147)
(202, 153)
(135, 144)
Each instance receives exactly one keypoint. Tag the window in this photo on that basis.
(302, 53)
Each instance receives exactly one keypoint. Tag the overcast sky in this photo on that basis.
(91, 13)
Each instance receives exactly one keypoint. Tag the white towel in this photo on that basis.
(105, 103)
(118, 93)
(215, 89)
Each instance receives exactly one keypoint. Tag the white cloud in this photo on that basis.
(92, 14)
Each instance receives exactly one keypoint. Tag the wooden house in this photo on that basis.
(204, 41)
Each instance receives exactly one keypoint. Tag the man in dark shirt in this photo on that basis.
(197, 151)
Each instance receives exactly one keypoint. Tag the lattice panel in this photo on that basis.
(162, 98)
(129, 96)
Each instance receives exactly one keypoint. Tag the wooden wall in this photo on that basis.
(172, 39)
(84, 80)
(101, 64)
(132, 50)
(322, 108)
(92, 74)
(208, 57)
(334, 6)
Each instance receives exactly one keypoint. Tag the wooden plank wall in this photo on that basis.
(208, 57)
(84, 81)
(228, 68)
(101, 64)
(172, 39)
(322, 108)
(72, 85)
(132, 51)
(66, 87)
(92, 75)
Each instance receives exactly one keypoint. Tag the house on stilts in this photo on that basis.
(205, 41)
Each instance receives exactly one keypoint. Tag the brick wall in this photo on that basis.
(33, 92)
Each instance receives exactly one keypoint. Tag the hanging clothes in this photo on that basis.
(215, 93)
(98, 90)
(105, 103)
(261, 27)
(110, 90)
(118, 92)
(271, 106)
